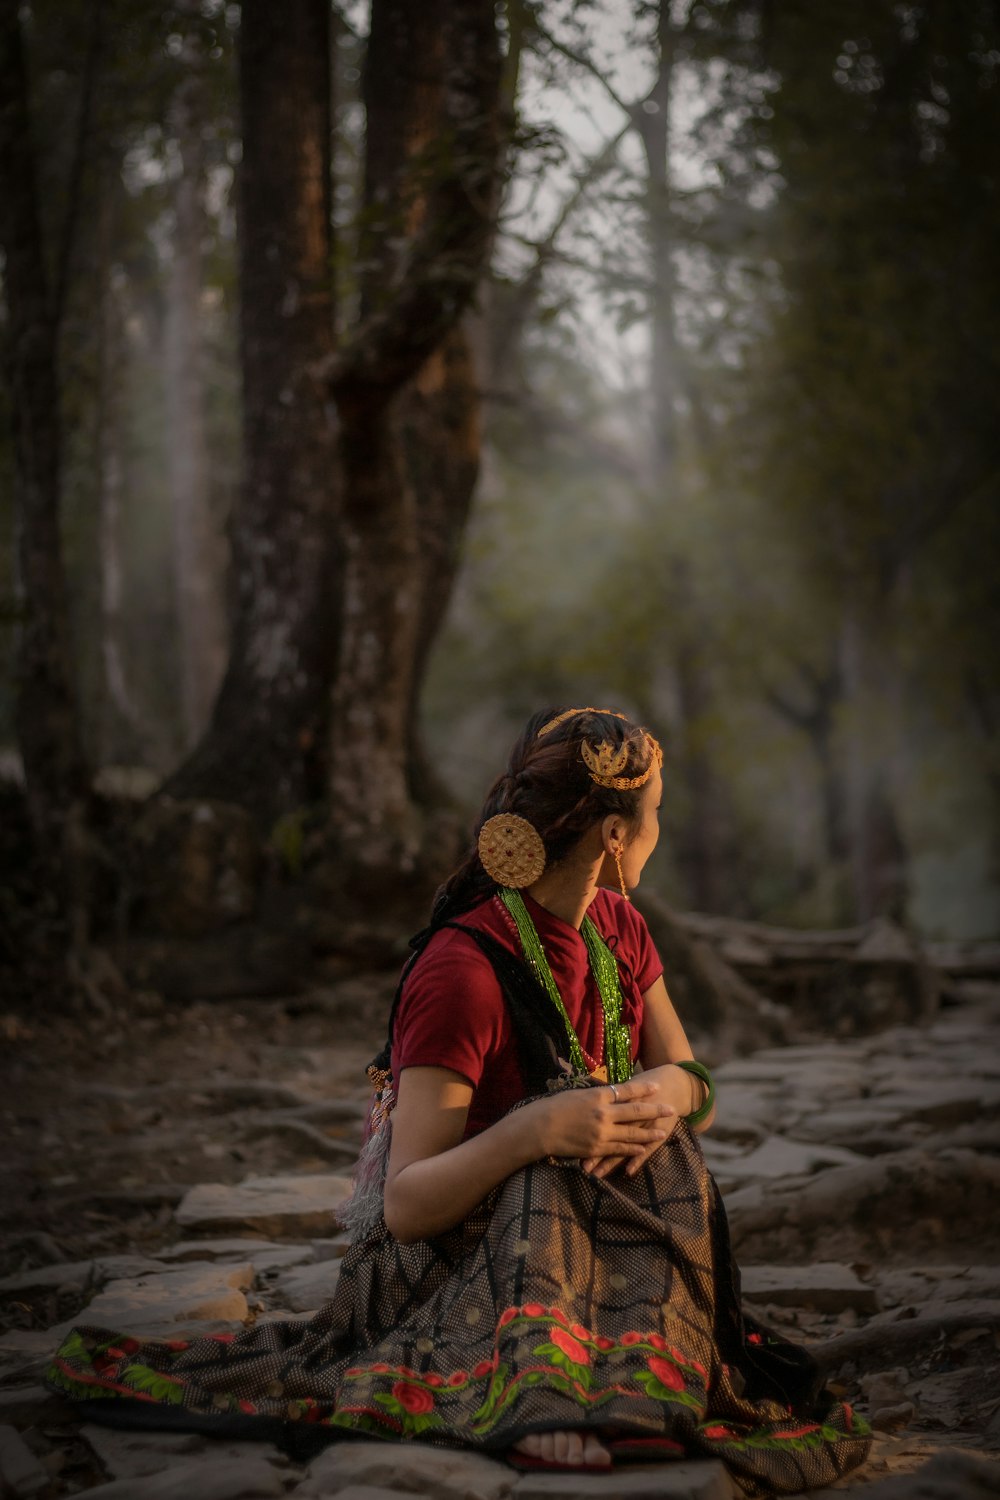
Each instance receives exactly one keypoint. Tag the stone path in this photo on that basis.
(861, 1180)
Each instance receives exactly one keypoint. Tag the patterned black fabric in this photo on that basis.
(563, 1301)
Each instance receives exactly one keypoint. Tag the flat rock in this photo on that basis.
(78, 1273)
(948, 1103)
(853, 1121)
(777, 1156)
(363, 1492)
(27, 1405)
(744, 1114)
(413, 1468)
(698, 1480)
(305, 1288)
(201, 1290)
(133, 1455)
(304, 1205)
(949, 1475)
(938, 1284)
(25, 1352)
(21, 1474)
(826, 1286)
(246, 1477)
(264, 1255)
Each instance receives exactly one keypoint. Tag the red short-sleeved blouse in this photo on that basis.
(452, 1013)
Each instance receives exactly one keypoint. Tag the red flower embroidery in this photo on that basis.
(507, 1316)
(717, 1432)
(754, 1338)
(666, 1373)
(484, 1368)
(114, 1353)
(247, 1406)
(432, 1379)
(793, 1432)
(178, 1344)
(533, 1310)
(459, 1377)
(657, 1340)
(579, 1332)
(558, 1314)
(603, 1343)
(413, 1398)
(631, 1338)
(569, 1346)
(849, 1413)
(379, 1369)
(685, 1359)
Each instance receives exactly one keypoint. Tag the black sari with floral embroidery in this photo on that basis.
(563, 1301)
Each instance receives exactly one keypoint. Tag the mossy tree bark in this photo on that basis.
(47, 717)
(406, 391)
(263, 745)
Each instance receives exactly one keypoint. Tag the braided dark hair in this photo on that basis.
(548, 783)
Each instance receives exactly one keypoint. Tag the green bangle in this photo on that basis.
(700, 1071)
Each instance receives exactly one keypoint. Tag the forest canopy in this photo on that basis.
(407, 368)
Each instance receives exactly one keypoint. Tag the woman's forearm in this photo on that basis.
(433, 1194)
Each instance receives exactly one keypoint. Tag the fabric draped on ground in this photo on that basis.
(563, 1301)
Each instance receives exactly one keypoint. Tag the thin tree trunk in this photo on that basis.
(265, 743)
(121, 736)
(701, 840)
(441, 436)
(410, 432)
(879, 858)
(47, 716)
(198, 556)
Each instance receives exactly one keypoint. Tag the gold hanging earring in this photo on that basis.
(621, 875)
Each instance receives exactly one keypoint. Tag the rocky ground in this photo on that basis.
(178, 1169)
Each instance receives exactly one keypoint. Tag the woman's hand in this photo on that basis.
(673, 1086)
(627, 1121)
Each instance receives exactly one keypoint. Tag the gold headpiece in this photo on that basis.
(604, 762)
(511, 850)
(569, 712)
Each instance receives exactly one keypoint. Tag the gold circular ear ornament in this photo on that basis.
(511, 850)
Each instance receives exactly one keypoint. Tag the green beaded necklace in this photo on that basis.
(617, 1038)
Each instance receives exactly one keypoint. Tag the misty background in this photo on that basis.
(735, 353)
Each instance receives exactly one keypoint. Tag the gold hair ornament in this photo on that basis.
(605, 764)
(511, 850)
(569, 714)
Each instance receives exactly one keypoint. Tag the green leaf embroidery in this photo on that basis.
(660, 1392)
(162, 1387)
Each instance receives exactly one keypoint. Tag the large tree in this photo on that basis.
(47, 715)
(269, 717)
(361, 458)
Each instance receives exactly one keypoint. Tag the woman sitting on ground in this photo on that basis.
(540, 1264)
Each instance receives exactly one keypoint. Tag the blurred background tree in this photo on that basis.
(728, 341)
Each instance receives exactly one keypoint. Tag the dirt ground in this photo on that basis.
(108, 1120)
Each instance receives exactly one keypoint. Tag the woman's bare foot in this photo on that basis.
(573, 1448)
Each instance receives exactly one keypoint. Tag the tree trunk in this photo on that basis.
(440, 432)
(701, 840)
(198, 559)
(879, 858)
(408, 402)
(121, 737)
(47, 718)
(264, 745)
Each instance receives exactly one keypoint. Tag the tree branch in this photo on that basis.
(583, 61)
(77, 165)
(434, 279)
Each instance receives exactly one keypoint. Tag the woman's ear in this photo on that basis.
(614, 834)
